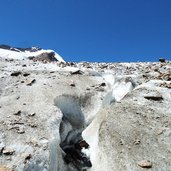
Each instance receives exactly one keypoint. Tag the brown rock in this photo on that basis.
(145, 164)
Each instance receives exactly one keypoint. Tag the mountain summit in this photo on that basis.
(7, 51)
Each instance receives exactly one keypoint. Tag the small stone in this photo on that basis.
(17, 73)
(30, 82)
(103, 84)
(45, 147)
(162, 60)
(18, 113)
(72, 84)
(155, 98)
(121, 142)
(77, 72)
(8, 151)
(159, 131)
(21, 130)
(27, 157)
(18, 97)
(26, 74)
(31, 114)
(145, 164)
(137, 142)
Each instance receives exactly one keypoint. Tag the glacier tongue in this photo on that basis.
(116, 120)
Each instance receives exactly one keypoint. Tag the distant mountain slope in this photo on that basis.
(7, 51)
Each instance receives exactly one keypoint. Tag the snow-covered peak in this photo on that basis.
(24, 53)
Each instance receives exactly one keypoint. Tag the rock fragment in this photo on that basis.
(137, 142)
(18, 113)
(77, 72)
(30, 82)
(27, 157)
(145, 164)
(16, 73)
(160, 131)
(102, 84)
(155, 98)
(8, 151)
(31, 114)
(162, 60)
(71, 83)
(26, 74)
(21, 130)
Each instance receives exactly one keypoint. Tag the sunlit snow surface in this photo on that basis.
(5, 53)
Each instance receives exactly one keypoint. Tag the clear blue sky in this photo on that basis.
(90, 30)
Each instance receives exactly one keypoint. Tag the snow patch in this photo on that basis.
(5, 53)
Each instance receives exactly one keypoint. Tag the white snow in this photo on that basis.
(5, 53)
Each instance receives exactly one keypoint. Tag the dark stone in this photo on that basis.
(77, 72)
(162, 60)
(18, 113)
(17, 73)
(155, 98)
(103, 84)
(26, 74)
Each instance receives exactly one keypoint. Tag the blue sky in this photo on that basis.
(90, 30)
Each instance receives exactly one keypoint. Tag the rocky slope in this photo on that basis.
(84, 116)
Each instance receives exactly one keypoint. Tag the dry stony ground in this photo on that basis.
(133, 134)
